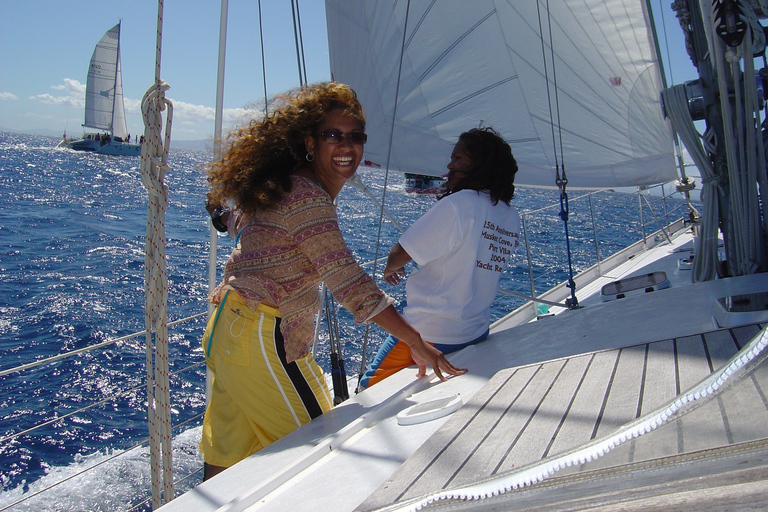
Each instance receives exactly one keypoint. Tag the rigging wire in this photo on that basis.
(666, 42)
(263, 61)
(386, 179)
(338, 373)
(561, 179)
(299, 43)
(685, 184)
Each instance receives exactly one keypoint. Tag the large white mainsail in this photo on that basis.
(104, 108)
(466, 64)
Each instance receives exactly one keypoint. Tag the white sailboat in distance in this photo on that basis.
(104, 109)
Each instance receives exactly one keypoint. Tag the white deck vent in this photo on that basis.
(636, 285)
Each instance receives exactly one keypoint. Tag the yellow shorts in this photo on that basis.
(256, 397)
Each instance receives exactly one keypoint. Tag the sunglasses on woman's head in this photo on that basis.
(334, 136)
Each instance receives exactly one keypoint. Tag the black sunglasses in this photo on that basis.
(334, 136)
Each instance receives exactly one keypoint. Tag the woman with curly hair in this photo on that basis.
(282, 175)
(462, 245)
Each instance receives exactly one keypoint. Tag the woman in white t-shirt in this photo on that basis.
(461, 246)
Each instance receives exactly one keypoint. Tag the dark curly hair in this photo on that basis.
(493, 168)
(255, 169)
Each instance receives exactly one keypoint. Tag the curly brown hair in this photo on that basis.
(255, 169)
(494, 167)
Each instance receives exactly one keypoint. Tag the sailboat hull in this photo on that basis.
(423, 184)
(120, 148)
(108, 148)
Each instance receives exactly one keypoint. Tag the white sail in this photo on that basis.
(119, 127)
(467, 64)
(104, 108)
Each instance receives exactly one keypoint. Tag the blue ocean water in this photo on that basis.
(72, 231)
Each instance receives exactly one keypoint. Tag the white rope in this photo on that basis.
(744, 152)
(741, 132)
(705, 260)
(154, 165)
(749, 232)
(154, 156)
(596, 449)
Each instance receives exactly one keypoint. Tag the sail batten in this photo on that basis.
(467, 64)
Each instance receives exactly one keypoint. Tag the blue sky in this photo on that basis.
(46, 45)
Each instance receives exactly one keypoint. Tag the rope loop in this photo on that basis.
(686, 184)
(154, 150)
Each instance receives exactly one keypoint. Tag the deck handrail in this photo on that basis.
(102, 344)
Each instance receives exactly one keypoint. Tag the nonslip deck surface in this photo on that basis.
(528, 413)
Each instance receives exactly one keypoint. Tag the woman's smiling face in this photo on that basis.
(335, 161)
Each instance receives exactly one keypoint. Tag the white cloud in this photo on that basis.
(58, 100)
(74, 97)
(33, 115)
(241, 115)
(7, 96)
(73, 86)
(132, 106)
(188, 112)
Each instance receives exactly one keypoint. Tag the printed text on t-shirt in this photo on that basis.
(501, 243)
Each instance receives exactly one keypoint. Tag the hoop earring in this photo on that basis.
(309, 157)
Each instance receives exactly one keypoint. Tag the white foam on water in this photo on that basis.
(105, 481)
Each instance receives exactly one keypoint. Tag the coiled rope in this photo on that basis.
(154, 165)
(676, 103)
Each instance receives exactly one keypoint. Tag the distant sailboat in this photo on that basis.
(104, 110)
(423, 183)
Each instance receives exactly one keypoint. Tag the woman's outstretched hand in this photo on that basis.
(393, 276)
(396, 261)
(425, 354)
(422, 352)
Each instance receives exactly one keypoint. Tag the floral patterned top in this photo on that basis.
(283, 255)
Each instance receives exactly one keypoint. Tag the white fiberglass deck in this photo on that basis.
(339, 460)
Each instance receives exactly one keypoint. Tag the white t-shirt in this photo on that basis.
(461, 245)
